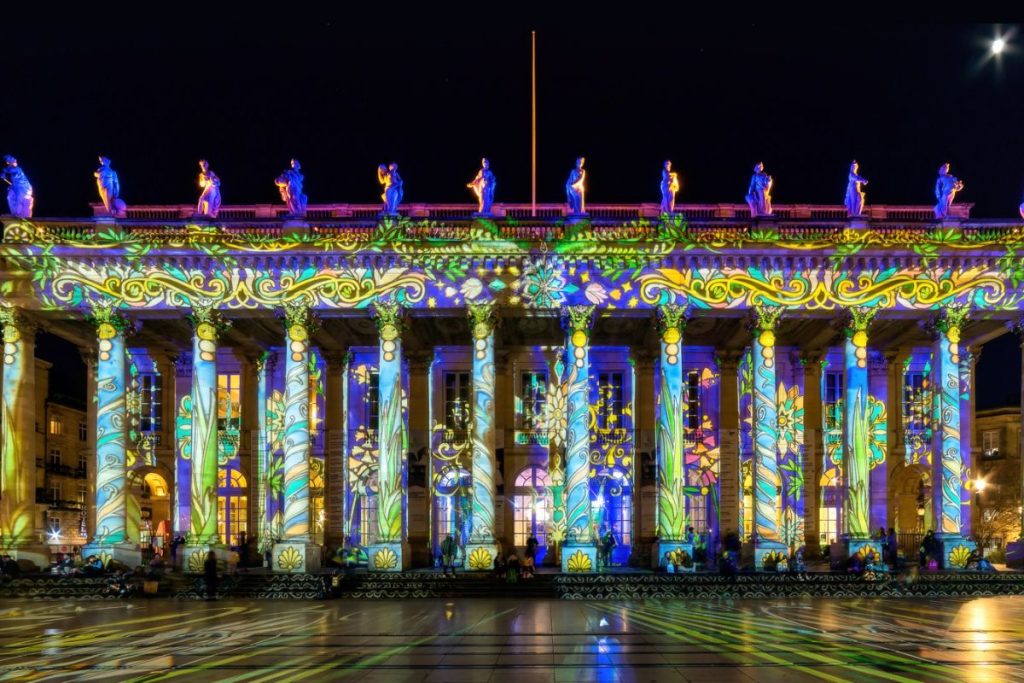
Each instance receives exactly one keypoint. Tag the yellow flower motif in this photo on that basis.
(767, 338)
(480, 559)
(289, 560)
(671, 336)
(106, 331)
(958, 557)
(860, 338)
(385, 558)
(206, 331)
(298, 333)
(580, 562)
(196, 562)
(868, 550)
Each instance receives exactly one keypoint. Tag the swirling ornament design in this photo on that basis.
(296, 435)
(111, 472)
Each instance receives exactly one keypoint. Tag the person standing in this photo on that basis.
(210, 575)
(448, 548)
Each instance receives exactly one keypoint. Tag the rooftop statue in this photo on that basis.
(759, 195)
(946, 188)
(483, 187)
(19, 193)
(209, 200)
(574, 189)
(669, 187)
(109, 187)
(392, 182)
(854, 193)
(290, 185)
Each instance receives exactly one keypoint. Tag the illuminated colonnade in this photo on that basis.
(787, 420)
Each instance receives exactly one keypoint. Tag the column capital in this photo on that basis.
(419, 360)
(88, 356)
(108, 320)
(13, 318)
(645, 358)
(1017, 327)
(858, 319)
(764, 318)
(672, 317)
(728, 358)
(949, 322)
(207, 321)
(483, 318)
(578, 318)
(336, 360)
(299, 319)
(390, 317)
(810, 360)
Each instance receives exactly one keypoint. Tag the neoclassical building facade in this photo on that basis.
(800, 380)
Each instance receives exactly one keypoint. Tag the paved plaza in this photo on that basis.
(513, 640)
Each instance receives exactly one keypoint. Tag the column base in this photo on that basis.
(662, 551)
(37, 554)
(757, 552)
(954, 550)
(193, 558)
(389, 557)
(1015, 554)
(127, 554)
(296, 557)
(579, 559)
(480, 556)
(840, 552)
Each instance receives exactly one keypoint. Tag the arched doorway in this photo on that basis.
(232, 505)
(155, 511)
(453, 509)
(531, 508)
(910, 491)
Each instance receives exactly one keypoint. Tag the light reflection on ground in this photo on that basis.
(523, 641)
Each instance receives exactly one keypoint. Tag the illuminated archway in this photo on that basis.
(531, 508)
(232, 505)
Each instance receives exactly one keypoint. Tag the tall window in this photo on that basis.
(233, 507)
(828, 511)
(228, 406)
(990, 443)
(151, 396)
(368, 520)
(458, 406)
(55, 491)
(693, 408)
(83, 493)
(618, 516)
(56, 425)
(452, 507)
(915, 408)
(83, 432)
(533, 409)
(55, 456)
(531, 506)
(609, 412)
(833, 409)
(697, 506)
(371, 404)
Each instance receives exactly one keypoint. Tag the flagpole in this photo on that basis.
(533, 129)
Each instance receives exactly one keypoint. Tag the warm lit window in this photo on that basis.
(531, 505)
(56, 425)
(828, 510)
(990, 443)
(228, 405)
(368, 520)
(233, 505)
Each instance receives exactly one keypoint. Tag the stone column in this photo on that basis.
(20, 534)
(645, 494)
(671, 446)
(896, 451)
(856, 517)
(111, 539)
(814, 450)
(260, 456)
(1015, 549)
(729, 443)
(765, 435)
(391, 552)
(579, 552)
(182, 450)
(481, 549)
(946, 459)
(878, 385)
(968, 443)
(296, 552)
(334, 455)
(208, 325)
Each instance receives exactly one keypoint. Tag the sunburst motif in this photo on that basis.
(480, 558)
(385, 558)
(579, 561)
(289, 560)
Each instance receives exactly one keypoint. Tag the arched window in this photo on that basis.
(452, 506)
(828, 510)
(232, 505)
(531, 503)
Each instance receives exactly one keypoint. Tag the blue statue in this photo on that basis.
(19, 193)
(290, 185)
(759, 195)
(109, 187)
(574, 189)
(946, 188)
(854, 193)
(392, 182)
(209, 200)
(483, 187)
(669, 187)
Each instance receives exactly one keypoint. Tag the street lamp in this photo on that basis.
(998, 45)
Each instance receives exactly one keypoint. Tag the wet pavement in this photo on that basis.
(515, 640)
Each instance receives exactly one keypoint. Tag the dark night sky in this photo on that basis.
(344, 93)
